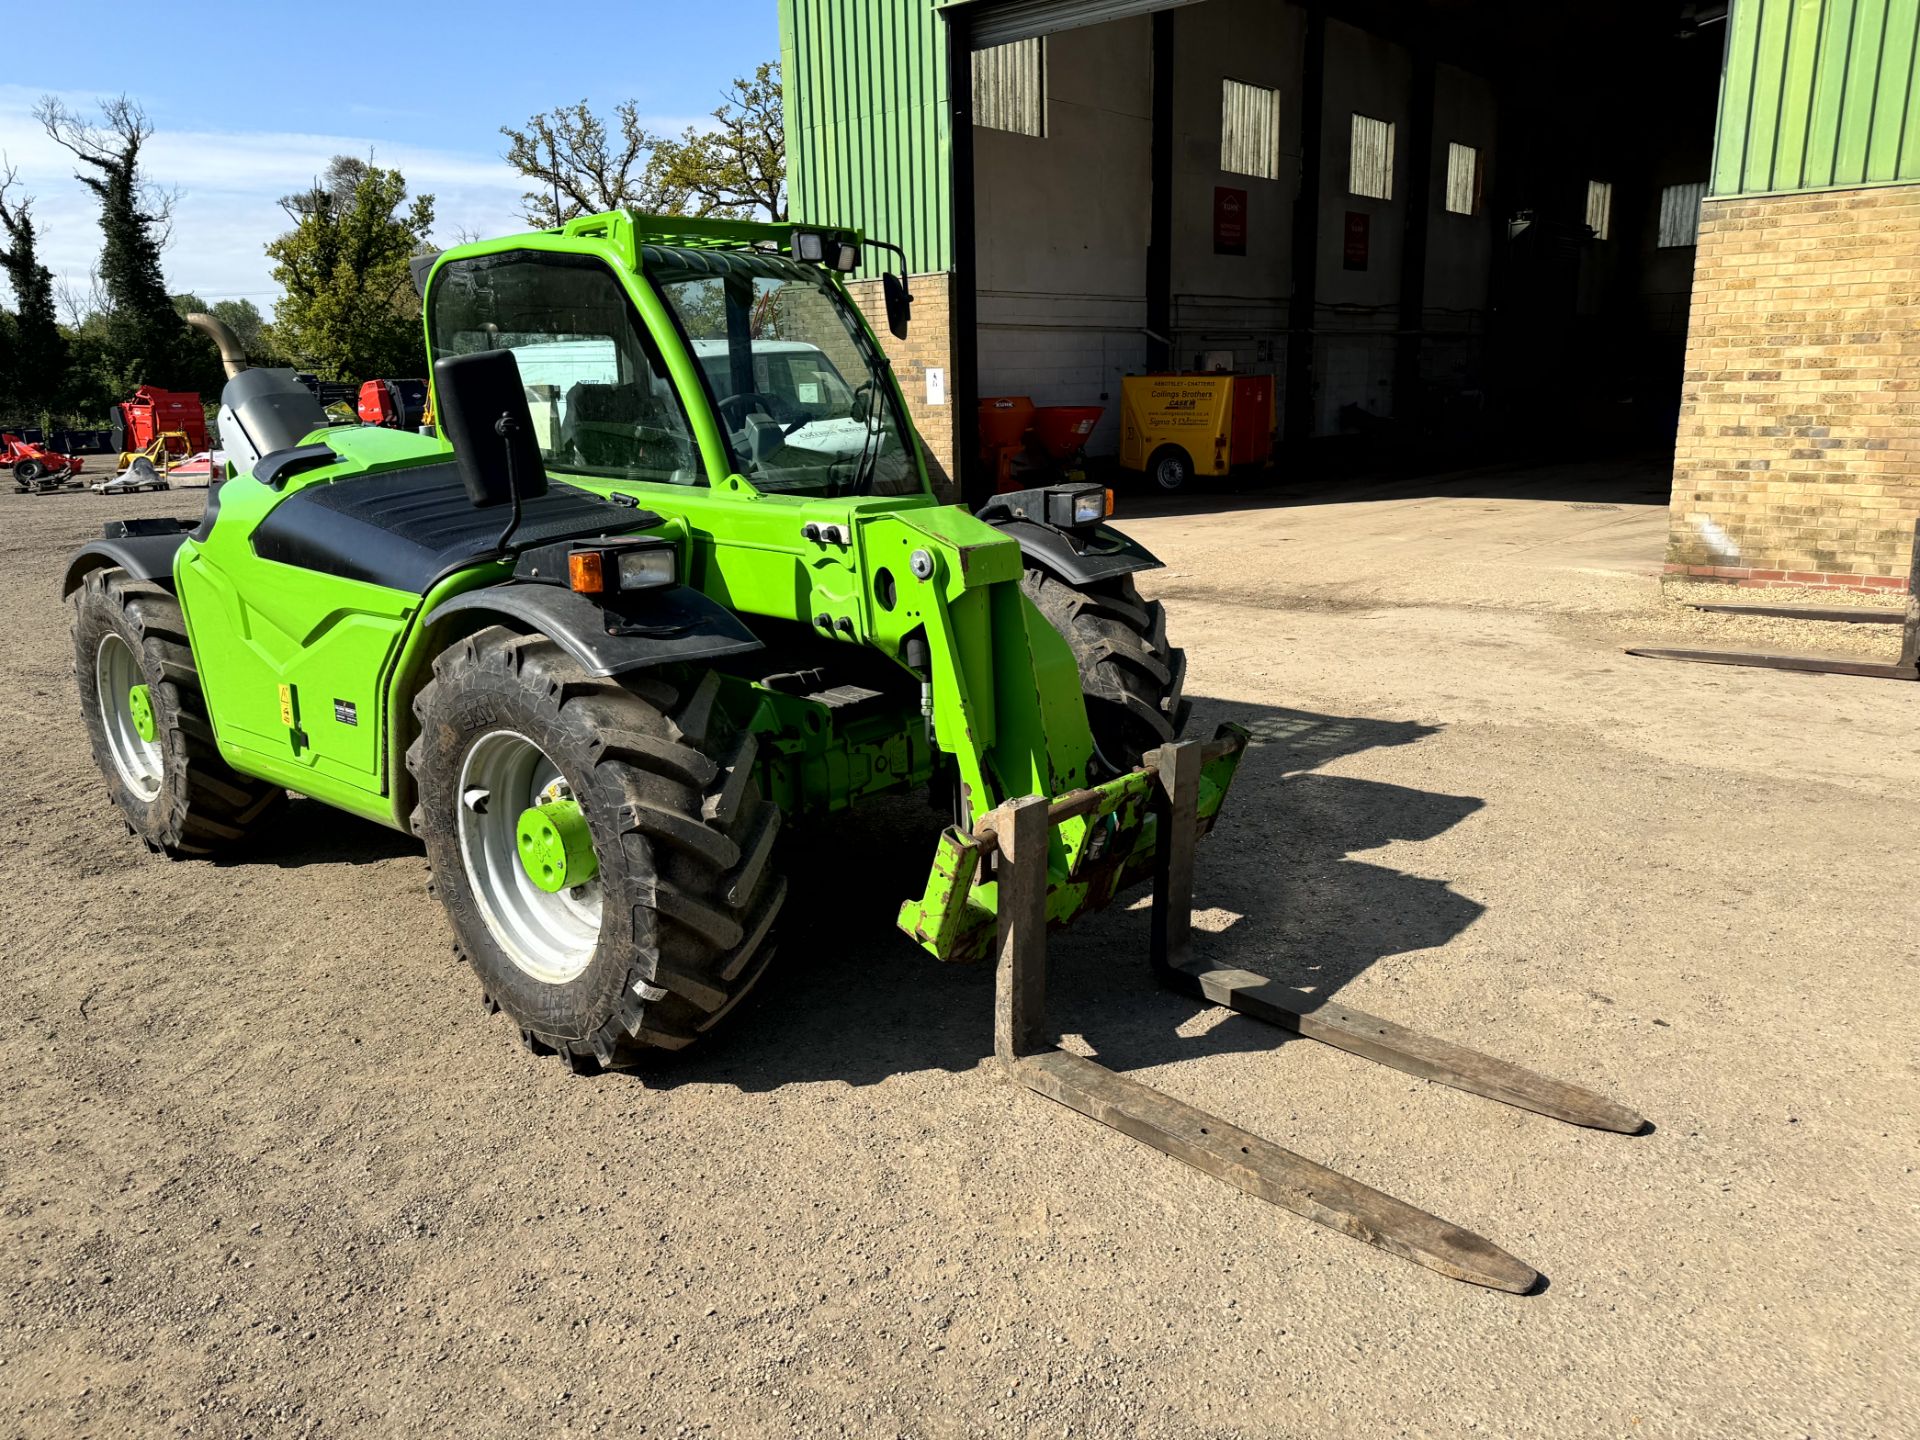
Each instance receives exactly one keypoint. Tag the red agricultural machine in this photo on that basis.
(175, 420)
(1026, 444)
(36, 468)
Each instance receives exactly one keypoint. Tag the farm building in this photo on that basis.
(1581, 229)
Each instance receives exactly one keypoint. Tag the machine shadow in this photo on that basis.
(318, 834)
(851, 999)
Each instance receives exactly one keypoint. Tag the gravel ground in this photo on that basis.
(269, 1170)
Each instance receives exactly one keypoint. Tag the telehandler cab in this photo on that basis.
(669, 580)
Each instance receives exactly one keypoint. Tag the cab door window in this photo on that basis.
(602, 402)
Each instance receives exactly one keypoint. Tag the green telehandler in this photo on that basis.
(668, 582)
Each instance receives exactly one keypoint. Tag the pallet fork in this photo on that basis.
(1019, 832)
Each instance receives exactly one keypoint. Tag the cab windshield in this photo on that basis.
(799, 389)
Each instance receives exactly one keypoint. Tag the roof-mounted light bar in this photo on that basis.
(836, 249)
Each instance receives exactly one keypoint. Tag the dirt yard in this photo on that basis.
(269, 1170)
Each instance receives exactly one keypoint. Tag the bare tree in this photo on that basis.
(581, 166)
(146, 340)
(77, 303)
(117, 141)
(737, 167)
(336, 187)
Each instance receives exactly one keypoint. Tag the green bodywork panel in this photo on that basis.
(310, 677)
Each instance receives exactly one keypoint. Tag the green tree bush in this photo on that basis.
(33, 354)
(349, 312)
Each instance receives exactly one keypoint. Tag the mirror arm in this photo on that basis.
(506, 427)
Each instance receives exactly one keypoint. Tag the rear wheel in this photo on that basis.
(1170, 468)
(602, 850)
(1131, 677)
(27, 473)
(147, 721)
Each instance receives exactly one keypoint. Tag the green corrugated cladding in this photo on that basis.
(868, 126)
(1818, 94)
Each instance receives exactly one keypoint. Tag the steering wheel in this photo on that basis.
(736, 408)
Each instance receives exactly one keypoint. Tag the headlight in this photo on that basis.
(810, 246)
(649, 565)
(1070, 509)
(653, 568)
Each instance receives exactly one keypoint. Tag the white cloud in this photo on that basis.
(230, 183)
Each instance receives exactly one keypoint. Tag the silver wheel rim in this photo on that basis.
(139, 762)
(551, 936)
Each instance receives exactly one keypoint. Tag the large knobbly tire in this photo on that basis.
(1131, 677)
(176, 792)
(687, 889)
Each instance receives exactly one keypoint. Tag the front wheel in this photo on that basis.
(1131, 677)
(603, 851)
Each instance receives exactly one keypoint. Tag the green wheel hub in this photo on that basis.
(556, 848)
(140, 703)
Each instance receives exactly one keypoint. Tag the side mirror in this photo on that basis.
(899, 303)
(862, 402)
(483, 412)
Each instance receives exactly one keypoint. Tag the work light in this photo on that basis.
(810, 246)
(1071, 508)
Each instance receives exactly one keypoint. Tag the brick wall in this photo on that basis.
(1798, 456)
(929, 344)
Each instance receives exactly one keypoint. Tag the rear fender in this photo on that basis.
(145, 549)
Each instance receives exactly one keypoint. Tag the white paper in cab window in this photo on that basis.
(808, 392)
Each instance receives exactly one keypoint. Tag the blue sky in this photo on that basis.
(266, 92)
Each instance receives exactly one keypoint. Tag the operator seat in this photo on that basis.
(625, 427)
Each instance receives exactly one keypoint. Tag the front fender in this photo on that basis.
(663, 627)
(1102, 554)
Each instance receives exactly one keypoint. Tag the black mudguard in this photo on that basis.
(1079, 558)
(143, 548)
(662, 627)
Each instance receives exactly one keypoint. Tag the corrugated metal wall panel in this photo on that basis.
(1463, 178)
(1370, 165)
(1818, 94)
(868, 123)
(1600, 208)
(1249, 130)
(1680, 214)
(1010, 87)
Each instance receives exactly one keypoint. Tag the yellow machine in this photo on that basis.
(1174, 427)
(165, 448)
